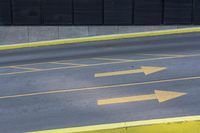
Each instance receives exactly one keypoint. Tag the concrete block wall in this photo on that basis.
(24, 34)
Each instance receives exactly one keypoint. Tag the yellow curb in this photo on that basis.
(188, 124)
(98, 38)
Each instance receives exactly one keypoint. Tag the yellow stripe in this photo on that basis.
(111, 59)
(107, 74)
(99, 64)
(187, 124)
(25, 68)
(99, 38)
(68, 63)
(28, 64)
(161, 96)
(165, 55)
(127, 99)
(99, 87)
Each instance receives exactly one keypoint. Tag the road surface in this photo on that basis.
(99, 83)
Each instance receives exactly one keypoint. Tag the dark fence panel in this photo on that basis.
(26, 12)
(99, 12)
(148, 12)
(56, 11)
(196, 15)
(5, 12)
(118, 11)
(88, 12)
(178, 11)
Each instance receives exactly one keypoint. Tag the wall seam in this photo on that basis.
(28, 33)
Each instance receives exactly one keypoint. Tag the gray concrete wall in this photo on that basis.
(23, 34)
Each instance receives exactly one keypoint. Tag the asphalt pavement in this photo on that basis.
(99, 82)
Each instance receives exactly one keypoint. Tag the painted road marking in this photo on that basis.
(28, 64)
(24, 65)
(161, 96)
(144, 69)
(47, 66)
(126, 60)
(25, 68)
(112, 59)
(100, 64)
(99, 87)
(6, 70)
(68, 63)
(171, 55)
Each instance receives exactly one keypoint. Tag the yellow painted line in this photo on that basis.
(171, 55)
(101, 64)
(99, 87)
(107, 74)
(161, 96)
(144, 69)
(112, 59)
(186, 124)
(25, 68)
(143, 60)
(28, 64)
(41, 70)
(68, 63)
(126, 99)
(99, 38)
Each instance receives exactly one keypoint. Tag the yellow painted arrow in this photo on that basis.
(144, 69)
(159, 95)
